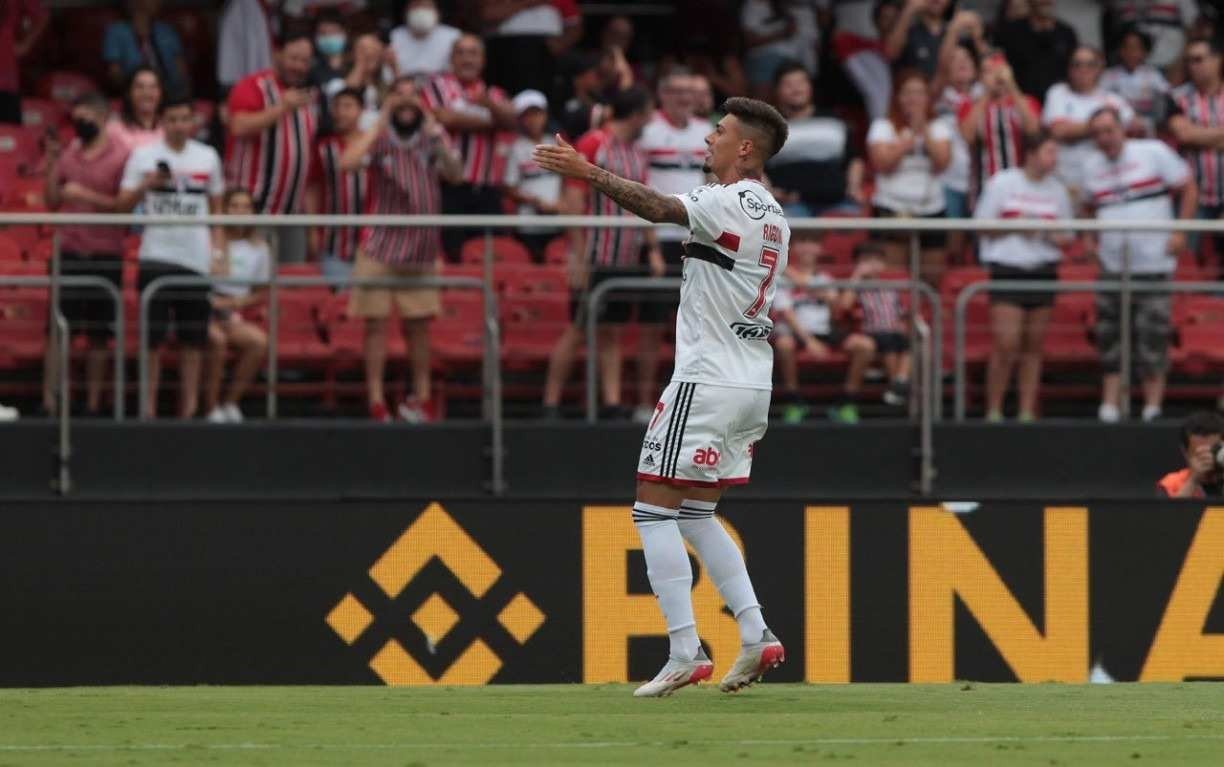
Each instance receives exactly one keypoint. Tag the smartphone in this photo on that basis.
(163, 168)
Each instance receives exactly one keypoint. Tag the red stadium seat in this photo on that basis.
(10, 250)
(506, 250)
(458, 335)
(515, 279)
(546, 308)
(65, 86)
(23, 319)
(299, 337)
(25, 193)
(557, 251)
(1068, 338)
(41, 114)
(19, 152)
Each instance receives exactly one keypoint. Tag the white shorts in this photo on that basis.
(703, 435)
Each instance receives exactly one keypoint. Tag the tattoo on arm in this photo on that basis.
(640, 199)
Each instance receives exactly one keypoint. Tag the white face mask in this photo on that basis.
(422, 20)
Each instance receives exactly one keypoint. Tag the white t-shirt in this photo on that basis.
(524, 174)
(947, 107)
(248, 260)
(811, 310)
(1010, 194)
(540, 20)
(911, 187)
(197, 176)
(1062, 103)
(1144, 89)
(427, 55)
(676, 156)
(1166, 21)
(737, 251)
(758, 17)
(1136, 186)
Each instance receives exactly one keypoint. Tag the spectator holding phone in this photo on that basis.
(1202, 436)
(242, 255)
(995, 123)
(273, 120)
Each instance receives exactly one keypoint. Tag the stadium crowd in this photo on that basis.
(897, 108)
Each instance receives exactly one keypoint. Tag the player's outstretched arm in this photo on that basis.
(651, 205)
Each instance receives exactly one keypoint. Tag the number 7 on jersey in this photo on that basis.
(769, 260)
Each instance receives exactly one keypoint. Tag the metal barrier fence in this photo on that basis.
(928, 406)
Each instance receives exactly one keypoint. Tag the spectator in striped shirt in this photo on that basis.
(883, 325)
(1196, 120)
(598, 255)
(273, 118)
(406, 152)
(994, 124)
(481, 119)
(335, 191)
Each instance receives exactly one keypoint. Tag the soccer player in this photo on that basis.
(704, 429)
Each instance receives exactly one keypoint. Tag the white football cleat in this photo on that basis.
(753, 661)
(677, 673)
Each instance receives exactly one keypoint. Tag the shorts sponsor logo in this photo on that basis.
(652, 445)
(706, 456)
(750, 331)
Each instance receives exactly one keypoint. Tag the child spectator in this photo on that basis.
(535, 191)
(243, 255)
(804, 309)
(1142, 85)
(883, 322)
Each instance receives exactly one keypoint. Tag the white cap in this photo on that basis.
(528, 99)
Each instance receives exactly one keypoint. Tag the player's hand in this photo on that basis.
(561, 159)
(1177, 243)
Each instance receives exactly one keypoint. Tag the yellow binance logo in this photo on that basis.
(435, 534)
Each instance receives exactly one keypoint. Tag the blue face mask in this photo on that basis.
(330, 45)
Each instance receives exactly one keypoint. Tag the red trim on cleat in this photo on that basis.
(771, 656)
(701, 674)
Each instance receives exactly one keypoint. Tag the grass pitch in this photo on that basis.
(780, 724)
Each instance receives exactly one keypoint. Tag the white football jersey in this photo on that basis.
(736, 250)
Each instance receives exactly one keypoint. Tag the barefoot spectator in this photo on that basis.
(243, 255)
(406, 151)
(1018, 319)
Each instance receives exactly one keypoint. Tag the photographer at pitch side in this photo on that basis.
(1202, 442)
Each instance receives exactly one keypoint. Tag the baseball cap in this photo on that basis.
(528, 99)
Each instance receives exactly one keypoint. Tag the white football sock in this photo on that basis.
(723, 560)
(670, 574)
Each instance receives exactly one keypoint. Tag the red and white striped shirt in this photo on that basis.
(484, 153)
(881, 311)
(344, 193)
(403, 180)
(274, 165)
(1000, 138)
(1207, 112)
(612, 247)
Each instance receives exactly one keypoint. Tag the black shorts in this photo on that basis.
(890, 342)
(1024, 299)
(925, 239)
(185, 308)
(615, 308)
(90, 311)
(658, 307)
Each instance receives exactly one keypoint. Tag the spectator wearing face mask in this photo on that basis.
(85, 179)
(422, 46)
(330, 43)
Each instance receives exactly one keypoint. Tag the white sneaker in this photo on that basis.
(9, 413)
(643, 414)
(753, 661)
(1151, 412)
(232, 413)
(1109, 413)
(217, 415)
(677, 673)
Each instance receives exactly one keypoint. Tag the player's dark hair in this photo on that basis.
(174, 100)
(1201, 424)
(1031, 142)
(868, 250)
(788, 67)
(762, 118)
(629, 102)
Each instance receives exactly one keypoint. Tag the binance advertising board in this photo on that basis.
(479, 592)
